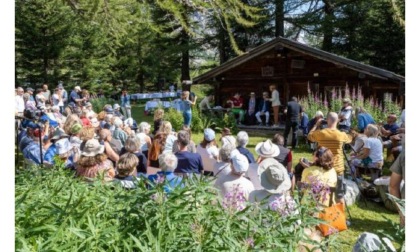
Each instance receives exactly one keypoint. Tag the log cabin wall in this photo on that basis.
(292, 72)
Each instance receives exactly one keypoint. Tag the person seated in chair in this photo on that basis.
(237, 103)
(389, 130)
(251, 109)
(263, 109)
(371, 155)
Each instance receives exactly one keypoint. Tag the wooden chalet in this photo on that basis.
(292, 66)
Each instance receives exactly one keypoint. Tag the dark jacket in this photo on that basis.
(261, 105)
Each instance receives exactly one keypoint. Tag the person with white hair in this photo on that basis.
(236, 180)
(167, 163)
(145, 140)
(117, 112)
(19, 102)
(242, 140)
(222, 167)
(119, 133)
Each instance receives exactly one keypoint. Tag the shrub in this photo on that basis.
(175, 118)
(99, 103)
(55, 212)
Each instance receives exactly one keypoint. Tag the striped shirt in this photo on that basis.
(332, 139)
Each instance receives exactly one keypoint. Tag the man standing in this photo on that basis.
(30, 91)
(75, 98)
(292, 121)
(46, 93)
(125, 103)
(332, 139)
(19, 102)
(345, 115)
(275, 103)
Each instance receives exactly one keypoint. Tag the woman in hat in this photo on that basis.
(267, 151)
(320, 173)
(276, 183)
(94, 162)
(208, 150)
(235, 182)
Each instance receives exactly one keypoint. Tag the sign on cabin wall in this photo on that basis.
(267, 71)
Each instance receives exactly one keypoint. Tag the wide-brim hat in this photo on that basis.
(267, 149)
(63, 146)
(273, 176)
(92, 148)
(58, 133)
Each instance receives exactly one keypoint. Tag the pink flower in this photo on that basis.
(249, 242)
(235, 200)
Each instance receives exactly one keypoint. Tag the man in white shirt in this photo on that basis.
(205, 103)
(19, 102)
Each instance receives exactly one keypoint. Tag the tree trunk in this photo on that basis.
(221, 47)
(328, 26)
(140, 74)
(279, 18)
(185, 60)
(45, 57)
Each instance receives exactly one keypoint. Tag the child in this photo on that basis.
(126, 171)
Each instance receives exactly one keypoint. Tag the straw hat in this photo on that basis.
(267, 149)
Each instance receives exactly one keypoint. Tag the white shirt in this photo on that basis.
(208, 156)
(228, 183)
(57, 101)
(221, 169)
(375, 146)
(170, 139)
(253, 176)
(19, 103)
(402, 118)
(143, 143)
(205, 104)
(275, 98)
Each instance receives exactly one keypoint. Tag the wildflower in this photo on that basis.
(160, 179)
(235, 200)
(331, 231)
(283, 206)
(249, 242)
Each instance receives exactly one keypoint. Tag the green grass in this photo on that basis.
(370, 218)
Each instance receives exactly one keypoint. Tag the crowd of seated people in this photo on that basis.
(100, 145)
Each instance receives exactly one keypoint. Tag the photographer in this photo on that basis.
(345, 115)
(331, 138)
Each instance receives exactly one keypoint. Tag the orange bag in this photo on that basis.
(335, 218)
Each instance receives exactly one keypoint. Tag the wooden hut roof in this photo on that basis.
(304, 49)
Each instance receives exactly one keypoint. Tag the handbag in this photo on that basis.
(335, 218)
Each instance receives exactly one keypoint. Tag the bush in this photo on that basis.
(175, 118)
(55, 212)
(99, 103)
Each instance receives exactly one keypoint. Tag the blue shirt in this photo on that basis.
(304, 123)
(171, 180)
(185, 106)
(125, 101)
(247, 154)
(363, 119)
(32, 152)
(73, 96)
(188, 162)
(392, 127)
(50, 153)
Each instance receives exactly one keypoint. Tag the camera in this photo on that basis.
(306, 161)
(32, 114)
(323, 124)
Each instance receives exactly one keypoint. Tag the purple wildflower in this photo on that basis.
(353, 93)
(154, 196)
(331, 231)
(160, 179)
(347, 91)
(309, 89)
(334, 94)
(249, 242)
(284, 206)
(235, 200)
(318, 190)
